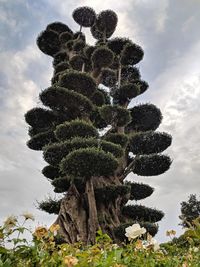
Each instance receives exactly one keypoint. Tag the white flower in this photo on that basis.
(28, 216)
(134, 231)
(195, 249)
(10, 222)
(151, 243)
(155, 244)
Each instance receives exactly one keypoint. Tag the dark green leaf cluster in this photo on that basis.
(129, 74)
(40, 118)
(80, 82)
(131, 54)
(33, 131)
(60, 57)
(64, 37)
(140, 191)
(115, 115)
(117, 44)
(99, 35)
(142, 213)
(108, 77)
(106, 96)
(97, 120)
(88, 51)
(53, 154)
(102, 57)
(50, 205)
(114, 149)
(149, 142)
(76, 62)
(106, 21)
(51, 172)
(84, 16)
(110, 193)
(142, 86)
(59, 27)
(38, 141)
(98, 98)
(62, 99)
(48, 42)
(144, 117)
(125, 93)
(79, 36)
(75, 128)
(79, 46)
(87, 162)
(117, 138)
(150, 165)
(63, 66)
(61, 184)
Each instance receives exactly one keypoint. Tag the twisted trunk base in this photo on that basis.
(80, 216)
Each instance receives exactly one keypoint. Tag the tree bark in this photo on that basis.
(72, 217)
(92, 222)
(81, 216)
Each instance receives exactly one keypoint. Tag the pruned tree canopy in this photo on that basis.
(91, 133)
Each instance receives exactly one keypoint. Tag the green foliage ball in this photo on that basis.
(115, 115)
(75, 128)
(48, 42)
(64, 37)
(78, 46)
(84, 16)
(100, 35)
(59, 57)
(59, 27)
(117, 138)
(142, 86)
(108, 77)
(80, 82)
(40, 118)
(117, 44)
(130, 74)
(106, 21)
(98, 98)
(88, 162)
(62, 184)
(140, 191)
(151, 165)
(63, 66)
(149, 142)
(110, 193)
(50, 205)
(131, 54)
(50, 172)
(142, 213)
(38, 141)
(145, 117)
(102, 57)
(62, 99)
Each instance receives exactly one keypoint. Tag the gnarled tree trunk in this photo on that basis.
(81, 216)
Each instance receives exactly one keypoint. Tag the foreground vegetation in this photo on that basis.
(140, 249)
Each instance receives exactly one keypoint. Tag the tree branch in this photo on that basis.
(128, 170)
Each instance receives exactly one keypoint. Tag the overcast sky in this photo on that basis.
(168, 31)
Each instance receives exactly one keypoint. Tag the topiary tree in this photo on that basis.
(88, 133)
(190, 210)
